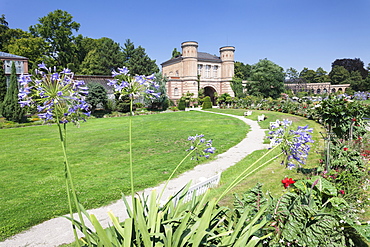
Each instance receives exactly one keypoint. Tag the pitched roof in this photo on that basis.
(202, 56)
(8, 55)
(101, 79)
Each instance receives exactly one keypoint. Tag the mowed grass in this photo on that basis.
(31, 161)
(271, 174)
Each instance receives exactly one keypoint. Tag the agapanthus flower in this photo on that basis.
(203, 147)
(56, 96)
(294, 143)
(133, 86)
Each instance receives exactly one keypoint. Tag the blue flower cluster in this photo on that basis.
(133, 86)
(361, 95)
(55, 95)
(294, 143)
(201, 146)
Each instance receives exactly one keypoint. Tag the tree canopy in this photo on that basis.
(351, 65)
(137, 61)
(267, 79)
(57, 30)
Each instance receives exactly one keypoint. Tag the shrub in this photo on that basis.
(181, 105)
(207, 104)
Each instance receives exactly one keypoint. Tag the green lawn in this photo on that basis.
(31, 161)
(271, 174)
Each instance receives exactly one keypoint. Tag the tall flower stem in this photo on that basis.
(173, 172)
(69, 183)
(243, 176)
(130, 151)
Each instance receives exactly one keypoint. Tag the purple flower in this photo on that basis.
(123, 70)
(56, 95)
(42, 66)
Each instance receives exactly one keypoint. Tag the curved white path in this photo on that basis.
(58, 231)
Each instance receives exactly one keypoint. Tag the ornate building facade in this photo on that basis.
(193, 70)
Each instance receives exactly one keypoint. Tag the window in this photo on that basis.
(200, 68)
(208, 71)
(215, 71)
(176, 92)
(19, 67)
(8, 66)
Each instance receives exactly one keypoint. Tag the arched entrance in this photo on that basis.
(210, 91)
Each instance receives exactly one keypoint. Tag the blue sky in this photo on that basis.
(291, 33)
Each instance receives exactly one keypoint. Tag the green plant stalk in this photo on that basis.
(71, 189)
(130, 155)
(173, 172)
(238, 179)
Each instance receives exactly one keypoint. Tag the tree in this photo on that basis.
(242, 71)
(12, 110)
(338, 74)
(163, 101)
(97, 96)
(3, 28)
(291, 75)
(57, 30)
(267, 79)
(321, 76)
(308, 75)
(237, 87)
(351, 65)
(137, 61)
(356, 81)
(2, 85)
(175, 53)
(105, 57)
(32, 48)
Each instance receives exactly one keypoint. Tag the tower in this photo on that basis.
(227, 58)
(190, 60)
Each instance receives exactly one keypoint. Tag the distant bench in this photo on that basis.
(247, 113)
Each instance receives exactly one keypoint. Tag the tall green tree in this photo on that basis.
(356, 81)
(97, 96)
(267, 79)
(351, 65)
(291, 75)
(105, 57)
(175, 53)
(3, 85)
(339, 75)
(242, 71)
(57, 30)
(3, 28)
(163, 101)
(237, 87)
(321, 76)
(137, 61)
(12, 110)
(308, 75)
(32, 48)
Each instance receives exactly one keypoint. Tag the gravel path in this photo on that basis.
(58, 231)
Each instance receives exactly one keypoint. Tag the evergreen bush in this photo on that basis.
(181, 105)
(11, 109)
(207, 104)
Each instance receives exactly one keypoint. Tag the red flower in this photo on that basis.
(345, 149)
(342, 192)
(354, 119)
(287, 181)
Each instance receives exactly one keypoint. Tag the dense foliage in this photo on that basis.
(11, 110)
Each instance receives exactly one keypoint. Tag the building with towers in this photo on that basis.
(193, 70)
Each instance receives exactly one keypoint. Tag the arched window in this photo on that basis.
(176, 92)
